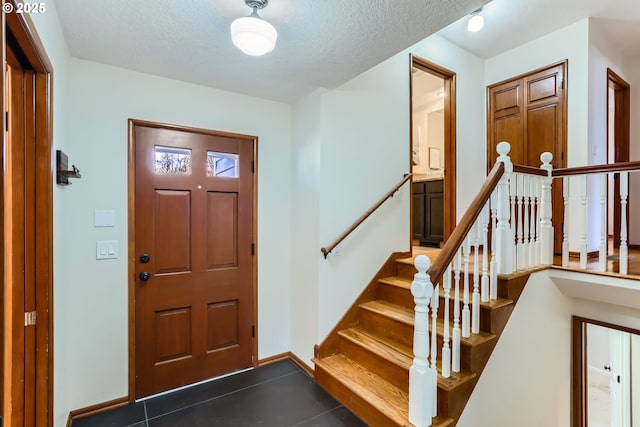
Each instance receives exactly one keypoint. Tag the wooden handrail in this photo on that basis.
(327, 250)
(531, 170)
(612, 167)
(462, 229)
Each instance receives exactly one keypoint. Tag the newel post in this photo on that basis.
(421, 377)
(504, 235)
(546, 228)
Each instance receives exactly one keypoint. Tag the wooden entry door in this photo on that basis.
(530, 113)
(194, 256)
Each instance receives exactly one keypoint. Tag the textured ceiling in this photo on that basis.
(509, 23)
(321, 43)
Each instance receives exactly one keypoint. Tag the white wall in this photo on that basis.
(603, 54)
(305, 244)
(633, 65)
(365, 151)
(527, 381)
(94, 298)
(428, 131)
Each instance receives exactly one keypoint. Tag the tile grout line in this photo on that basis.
(317, 415)
(146, 416)
(226, 394)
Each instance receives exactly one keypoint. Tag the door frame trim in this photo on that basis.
(131, 235)
(579, 367)
(25, 38)
(621, 143)
(449, 78)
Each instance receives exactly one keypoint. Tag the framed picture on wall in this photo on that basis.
(434, 158)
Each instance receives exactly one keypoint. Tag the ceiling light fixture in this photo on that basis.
(440, 94)
(476, 22)
(252, 34)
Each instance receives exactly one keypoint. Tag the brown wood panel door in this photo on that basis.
(194, 219)
(529, 112)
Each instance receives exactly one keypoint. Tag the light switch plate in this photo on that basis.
(104, 218)
(107, 249)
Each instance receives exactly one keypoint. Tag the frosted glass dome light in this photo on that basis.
(252, 34)
(476, 22)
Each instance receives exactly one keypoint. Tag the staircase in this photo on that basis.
(365, 360)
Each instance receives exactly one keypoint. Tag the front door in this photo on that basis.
(194, 255)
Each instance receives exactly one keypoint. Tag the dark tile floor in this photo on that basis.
(276, 395)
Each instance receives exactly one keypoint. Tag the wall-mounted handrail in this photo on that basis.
(612, 167)
(327, 250)
(456, 239)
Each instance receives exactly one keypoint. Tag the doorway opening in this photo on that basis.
(618, 122)
(606, 380)
(433, 153)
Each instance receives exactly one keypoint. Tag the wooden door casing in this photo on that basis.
(195, 316)
(621, 130)
(450, 163)
(530, 112)
(27, 230)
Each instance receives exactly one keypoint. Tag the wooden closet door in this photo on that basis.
(529, 112)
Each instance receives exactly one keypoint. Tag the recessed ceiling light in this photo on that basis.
(440, 94)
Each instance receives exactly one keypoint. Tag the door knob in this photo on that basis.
(144, 258)
(144, 276)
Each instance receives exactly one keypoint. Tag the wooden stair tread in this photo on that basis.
(393, 311)
(396, 281)
(400, 355)
(405, 283)
(406, 316)
(387, 398)
(392, 352)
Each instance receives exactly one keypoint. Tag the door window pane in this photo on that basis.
(222, 164)
(174, 161)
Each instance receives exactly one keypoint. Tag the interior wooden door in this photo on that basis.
(529, 112)
(194, 250)
(620, 123)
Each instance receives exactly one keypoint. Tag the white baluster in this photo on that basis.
(565, 230)
(624, 193)
(457, 262)
(538, 205)
(420, 376)
(520, 198)
(484, 218)
(546, 228)
(513, 194)
(466, 326)
(533, 183)
(585, 224)
(527, 216)
(446, 350)
(435, 303)
(475, 298)
(504, 236)
(602, 256)
(493, 269)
